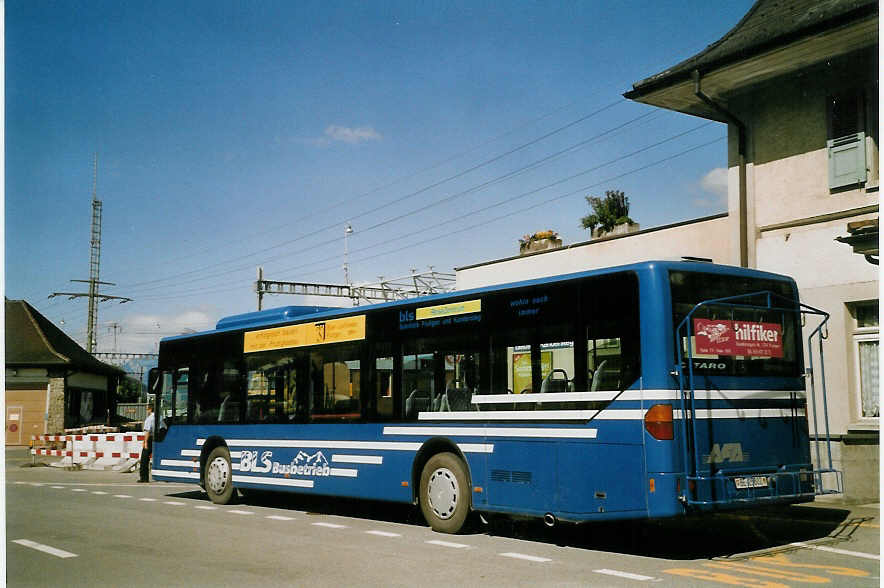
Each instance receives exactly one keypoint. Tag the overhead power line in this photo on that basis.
(582, 190)
(387, 204)
(509, 175)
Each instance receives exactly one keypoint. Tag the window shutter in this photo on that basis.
(847, 160)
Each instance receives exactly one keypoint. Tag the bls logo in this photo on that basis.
(406, 316)
(732, 452)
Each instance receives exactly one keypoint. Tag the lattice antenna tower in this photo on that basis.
(93, 295)
(94, 257)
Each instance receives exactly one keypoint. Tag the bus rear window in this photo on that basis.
(757, 335)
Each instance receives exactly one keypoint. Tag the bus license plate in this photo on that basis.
(753, 482)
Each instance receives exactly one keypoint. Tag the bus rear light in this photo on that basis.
(652, 486)
(658, 421)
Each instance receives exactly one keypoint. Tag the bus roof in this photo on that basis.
(288, 314)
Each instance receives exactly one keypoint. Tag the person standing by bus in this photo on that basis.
(144, 469)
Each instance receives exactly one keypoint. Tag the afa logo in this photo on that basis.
(730, 452)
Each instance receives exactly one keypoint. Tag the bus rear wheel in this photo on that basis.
(218, 476)
(445, 493)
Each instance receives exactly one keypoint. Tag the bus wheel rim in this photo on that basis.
(218, 475)
(442, 492)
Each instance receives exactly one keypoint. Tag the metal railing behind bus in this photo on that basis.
(724, 482)
(133, 411)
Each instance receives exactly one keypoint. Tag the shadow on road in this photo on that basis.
(700, 537)
(706, 537)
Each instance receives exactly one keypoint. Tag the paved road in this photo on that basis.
(86, 528)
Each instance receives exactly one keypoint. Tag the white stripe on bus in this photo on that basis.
(178, 463)
(492, 431)
(329, 444)
(368, 459)
(175, 474)
(626, 414)
(715, 395)
(743, 413)
(319, 443)
(274, 481)
(509, 415)
(543, 397)
(486, 399)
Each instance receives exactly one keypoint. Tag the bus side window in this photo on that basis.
(336, 382)
(180, 396)
(603, 363)
(163, 392)
(231, 394)
(613, 350)
(418, 383)
(384, 386)
(461, 382)
(261, 396)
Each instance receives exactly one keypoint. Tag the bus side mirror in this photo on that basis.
(153, 381)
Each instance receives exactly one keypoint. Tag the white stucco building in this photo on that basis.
(797, 85)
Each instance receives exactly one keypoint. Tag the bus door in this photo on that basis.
(171, 390)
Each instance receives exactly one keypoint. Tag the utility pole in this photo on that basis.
(347, 232)
(115, 326)
(94, 263)
(258, 288)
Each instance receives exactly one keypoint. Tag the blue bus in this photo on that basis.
(648, 390)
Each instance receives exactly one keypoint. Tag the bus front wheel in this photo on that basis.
(445, 493)
(218, 476)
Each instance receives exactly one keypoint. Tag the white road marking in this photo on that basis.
(241, 512)
(279, 518)
(383, 534)
(147, 499)
(173, 503)
(99, 492)
(45, 548)
(447, 544)
(626, 575)
(122, 496)
(838, 551)
(533, 558)
(36, 484)
(78, 490)
(58, 487)
(206, 507)
(330, 525)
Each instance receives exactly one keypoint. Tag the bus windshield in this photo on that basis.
(730, 339)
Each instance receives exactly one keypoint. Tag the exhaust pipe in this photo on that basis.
(549, 519)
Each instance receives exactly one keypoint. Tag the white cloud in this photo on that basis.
(350, 135)
(713, 187)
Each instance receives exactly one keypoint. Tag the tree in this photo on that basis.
(607, 212)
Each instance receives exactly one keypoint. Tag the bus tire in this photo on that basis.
(445, 493)
(218, 476)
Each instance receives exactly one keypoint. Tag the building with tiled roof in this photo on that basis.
(52, 383)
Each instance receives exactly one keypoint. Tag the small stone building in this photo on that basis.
(51, 382)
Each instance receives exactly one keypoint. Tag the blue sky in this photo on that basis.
(231, 135)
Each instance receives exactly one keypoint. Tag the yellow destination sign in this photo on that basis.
(453, 309)
(319, 333)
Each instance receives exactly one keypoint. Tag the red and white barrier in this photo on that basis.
(117, 451)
